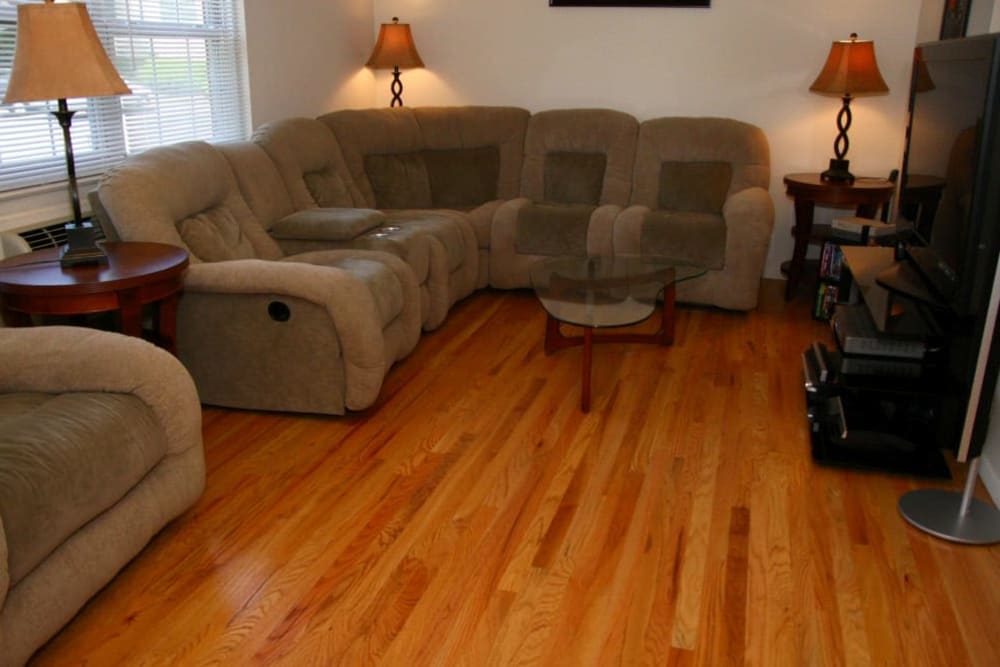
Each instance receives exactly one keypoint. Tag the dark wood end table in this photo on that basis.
(136, 274)
(865, 195)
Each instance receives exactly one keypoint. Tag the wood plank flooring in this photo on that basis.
(476, 517)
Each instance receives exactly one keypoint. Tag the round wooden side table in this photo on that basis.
(136, 274)
(865, 195)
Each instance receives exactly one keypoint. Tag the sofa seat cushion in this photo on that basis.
(699, 238)
(550, 229)
(443, 226)
(64, 459)
(381, 281)
(327, 224)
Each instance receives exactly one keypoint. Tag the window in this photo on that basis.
(185, 63)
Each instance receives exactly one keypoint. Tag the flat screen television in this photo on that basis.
(950, 180)
(950, 193)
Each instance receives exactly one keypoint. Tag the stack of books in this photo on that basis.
(831, 262)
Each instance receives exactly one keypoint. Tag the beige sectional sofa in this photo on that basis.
(322, 247)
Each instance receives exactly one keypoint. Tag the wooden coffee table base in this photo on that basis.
(555, 340)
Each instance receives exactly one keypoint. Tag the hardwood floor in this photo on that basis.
(477, 517)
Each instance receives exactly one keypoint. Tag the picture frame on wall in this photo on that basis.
(955, 19)
(631, 3)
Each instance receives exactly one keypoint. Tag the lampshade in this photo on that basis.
(850, 70)
(59, 56)
(394, 47)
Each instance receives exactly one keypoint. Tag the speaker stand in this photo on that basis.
(950, 516)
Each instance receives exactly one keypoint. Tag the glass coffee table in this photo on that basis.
(604, 292)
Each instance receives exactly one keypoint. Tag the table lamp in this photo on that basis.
(58, 56)
(850, 71)
(394, 48)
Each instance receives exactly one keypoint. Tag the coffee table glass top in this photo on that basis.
(606, 291)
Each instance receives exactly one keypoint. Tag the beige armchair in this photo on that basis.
(100, 447)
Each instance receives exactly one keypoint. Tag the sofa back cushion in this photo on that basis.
(259, 181)
(392, 133)
(694, 186)
(462, 177)
(432, 157)
(489, 137)
(214, 235)
(398, 180)
(563, 154)
(574, 178)
(680, 163)
(186, 195)
(310, 162)
(327, 187)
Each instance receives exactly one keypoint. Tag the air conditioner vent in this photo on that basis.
(52, 236)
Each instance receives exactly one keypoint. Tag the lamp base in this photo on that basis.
(80, 246)
(838, 173)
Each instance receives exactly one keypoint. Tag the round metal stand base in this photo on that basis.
(938, 513)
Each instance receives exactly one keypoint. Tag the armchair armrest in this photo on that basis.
(54, 359)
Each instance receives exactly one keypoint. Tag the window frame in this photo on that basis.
(99, 131)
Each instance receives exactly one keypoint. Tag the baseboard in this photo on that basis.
(990, 475)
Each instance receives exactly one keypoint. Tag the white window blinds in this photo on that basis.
(185, 63)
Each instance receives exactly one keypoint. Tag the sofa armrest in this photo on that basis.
(750, 212)
(327, 224)
(749, 216)
(351, 308)
(54, 359)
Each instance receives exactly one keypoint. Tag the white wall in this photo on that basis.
(929, 26)
(307, 56)
(753, 61)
